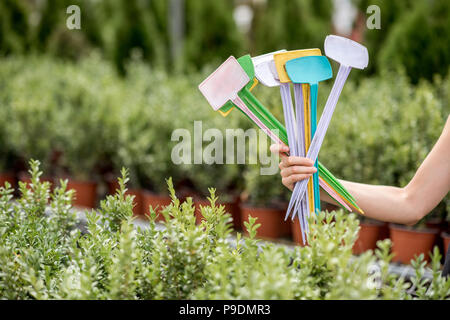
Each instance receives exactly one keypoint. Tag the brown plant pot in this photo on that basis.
(407, 243)
(234, 209)
(368, 235)
(85, 193)
(7, 177)
(272, 221)
(446, 239)
(297, 232)
(158, 202)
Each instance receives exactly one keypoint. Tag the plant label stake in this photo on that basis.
(302, 141)
(311, 70)
(349, 54)
(225, 84)
(298, 144)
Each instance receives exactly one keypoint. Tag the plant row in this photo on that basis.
(44, 255)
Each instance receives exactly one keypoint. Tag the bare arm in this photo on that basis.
(401, 205)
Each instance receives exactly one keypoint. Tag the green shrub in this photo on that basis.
(291, 25)
(121, 31)
(44, 256)
(413, 35)
(381, 131)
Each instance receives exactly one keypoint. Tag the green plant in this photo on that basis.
(44, 256)
(290, 24)
(420, 33)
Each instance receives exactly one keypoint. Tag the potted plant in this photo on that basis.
(265, 198)
(81, 141)
(32, 132)
(370, 231)
(408, 242)
(225, 179)
(131, 150)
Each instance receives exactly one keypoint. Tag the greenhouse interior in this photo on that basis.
(224, 150)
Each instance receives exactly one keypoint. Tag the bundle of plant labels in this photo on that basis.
(230, 84)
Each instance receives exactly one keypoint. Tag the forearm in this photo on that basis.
(409, 204)
(384, 203)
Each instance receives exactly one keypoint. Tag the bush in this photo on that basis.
(121, 31)
(381, 131)
(291, 25)
(43, 255)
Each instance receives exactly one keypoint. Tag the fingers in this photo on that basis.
(295, 161)
(289, 181)
(292, 170)
(279, 148)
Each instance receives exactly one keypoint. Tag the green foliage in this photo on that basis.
(264, 190)
(391, 12)
(381, 131)
(43, 255)
(413, 34)
(121, 31)
(291, 25)
(418, 41)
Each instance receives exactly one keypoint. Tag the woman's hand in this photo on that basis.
(292, 169)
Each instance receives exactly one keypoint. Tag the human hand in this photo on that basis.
(292, 169)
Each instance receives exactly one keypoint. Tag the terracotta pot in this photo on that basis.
(369, 233)
(85, 193)
(297, 232)
(407, 243)
(7, 177)
(158, 202)
(272, 221)
(234, 209)
(446, 239)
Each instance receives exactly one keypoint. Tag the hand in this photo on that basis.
(292, 169)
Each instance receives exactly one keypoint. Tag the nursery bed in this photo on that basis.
(402, 270)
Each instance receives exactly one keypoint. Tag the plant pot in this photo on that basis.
(158, 202)
(7, 177)
(85, 193)
(407, 243)
(369, 233)
(446, 239)
(234, 209)
(271, 219)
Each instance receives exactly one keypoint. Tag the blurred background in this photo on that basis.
(87, 101)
